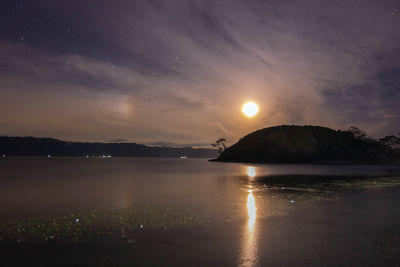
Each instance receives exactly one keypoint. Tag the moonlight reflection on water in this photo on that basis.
(251, 171)
(249, 238)
(251, 209)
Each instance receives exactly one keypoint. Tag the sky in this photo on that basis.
(169, 72)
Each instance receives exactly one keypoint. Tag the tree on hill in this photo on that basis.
(357, 132)
(391, 141)
(220, 144)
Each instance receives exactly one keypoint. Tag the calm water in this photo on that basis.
(40, 186)
(221, 192)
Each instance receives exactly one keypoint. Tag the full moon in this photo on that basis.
(250, 109)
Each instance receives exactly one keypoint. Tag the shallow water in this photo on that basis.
(41, 186)
(260, 223)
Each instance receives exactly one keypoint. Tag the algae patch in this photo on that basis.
(82, 226)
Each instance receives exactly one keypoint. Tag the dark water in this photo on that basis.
(36, 186)
(252, 224)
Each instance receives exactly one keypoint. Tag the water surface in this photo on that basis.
(34, 186)
(249, 221)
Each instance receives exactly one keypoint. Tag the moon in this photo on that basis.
(250, 109)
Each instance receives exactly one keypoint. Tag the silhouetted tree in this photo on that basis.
(357, 132)
(391, 141)
(220, 144)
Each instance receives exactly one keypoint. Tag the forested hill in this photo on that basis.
(32, 146)
(307, 144)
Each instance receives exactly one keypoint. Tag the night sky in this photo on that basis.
(177, 72)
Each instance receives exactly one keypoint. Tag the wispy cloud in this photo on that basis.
(179, 71)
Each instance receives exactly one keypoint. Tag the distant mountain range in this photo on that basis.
(307, 144)
(32, 146)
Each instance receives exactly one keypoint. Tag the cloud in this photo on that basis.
(179, 71)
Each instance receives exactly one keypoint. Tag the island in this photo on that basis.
(309, 145)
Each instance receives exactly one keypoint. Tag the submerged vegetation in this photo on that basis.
(82, 226)
(123, 223)
(298, 189)
(326, 184)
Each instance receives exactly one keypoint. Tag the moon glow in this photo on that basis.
(250, 109)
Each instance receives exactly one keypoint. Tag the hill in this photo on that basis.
(32, 146)
(306, 144)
